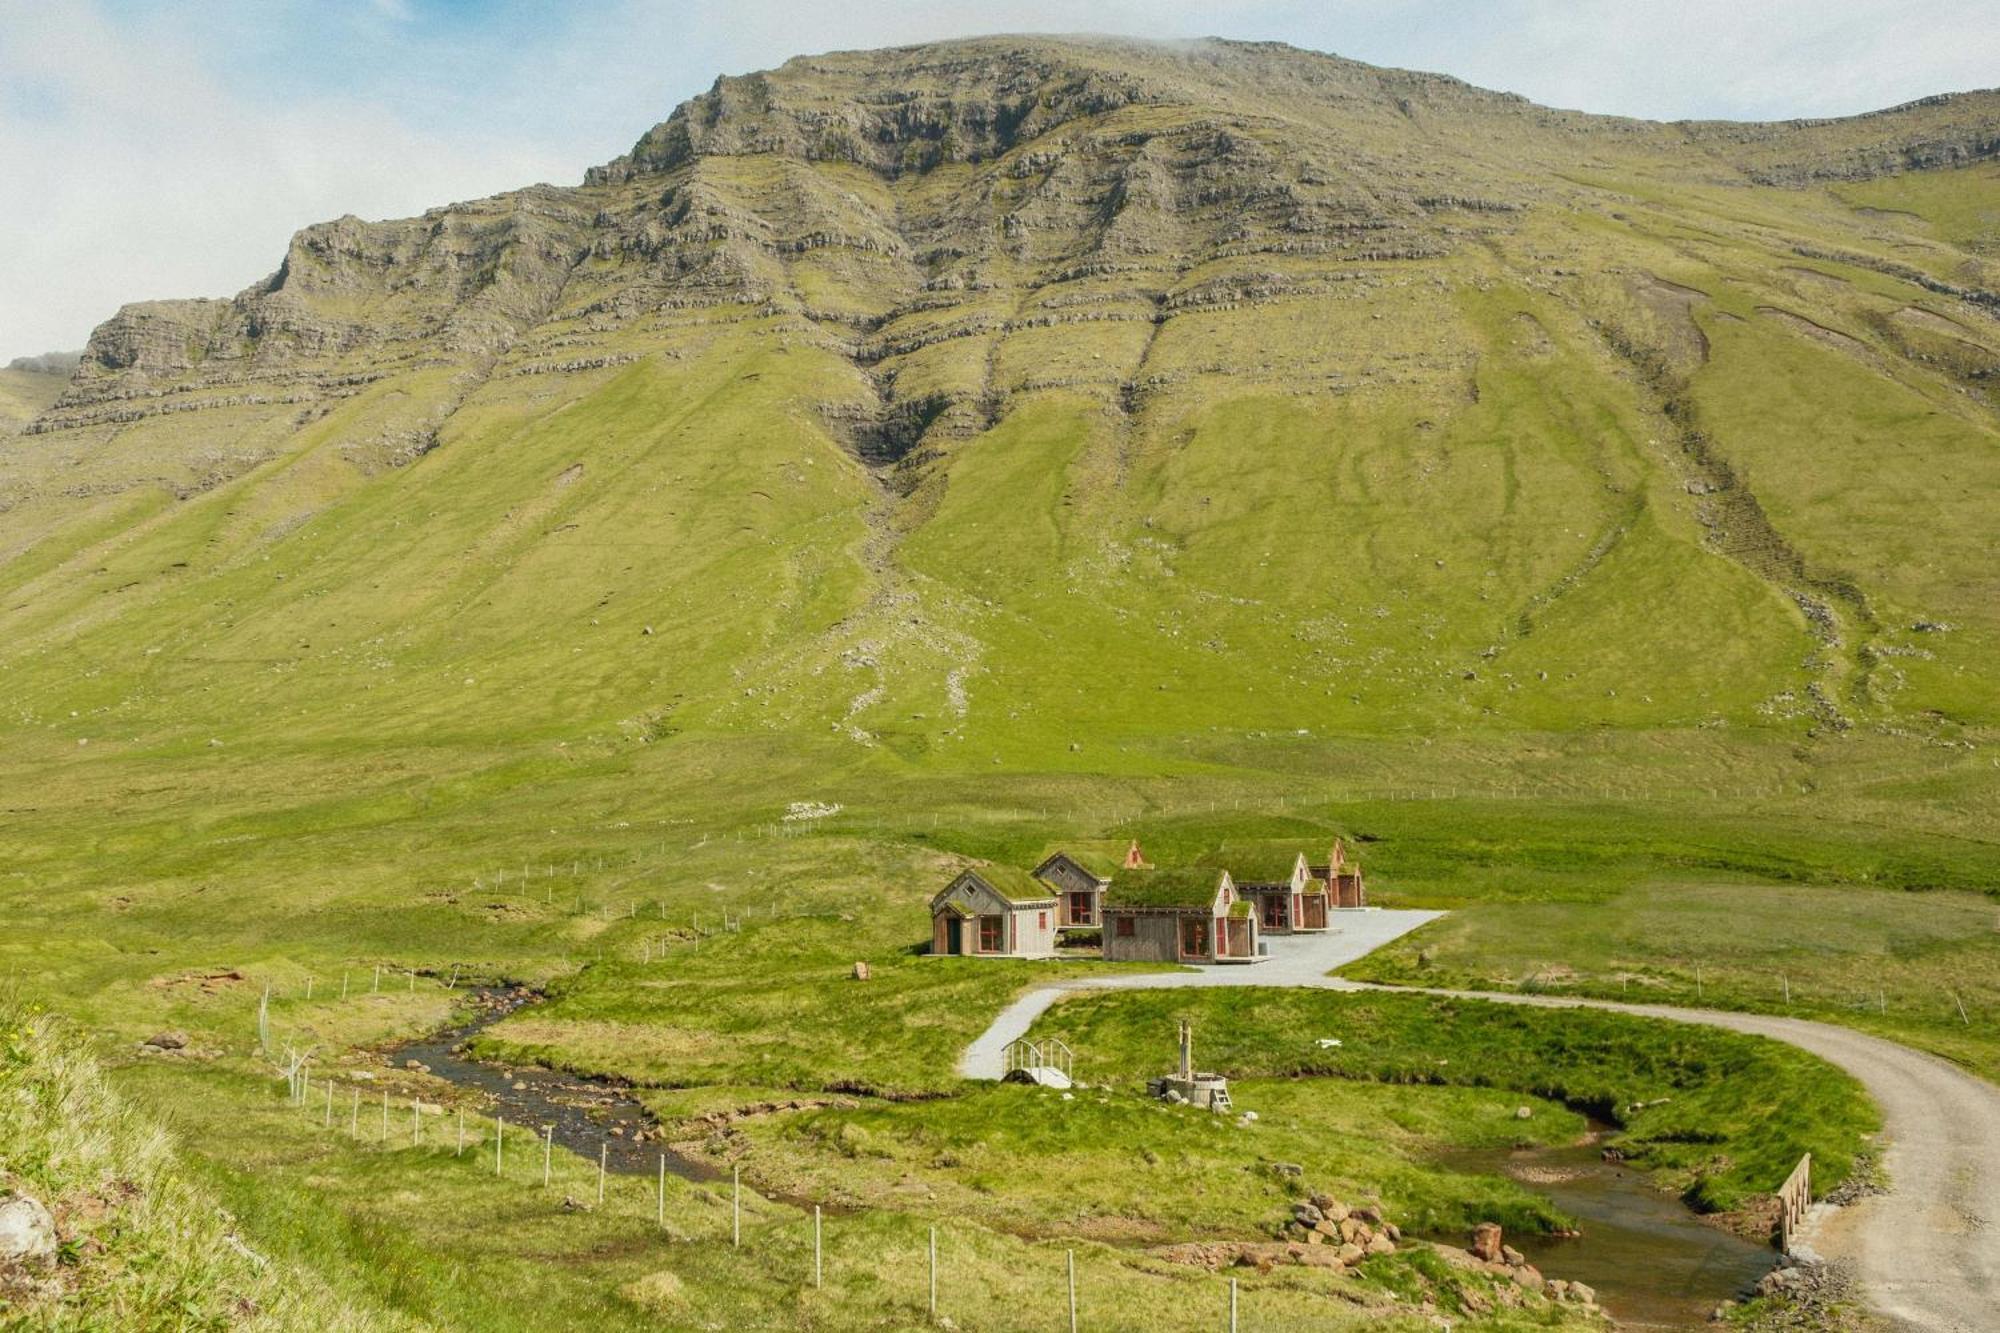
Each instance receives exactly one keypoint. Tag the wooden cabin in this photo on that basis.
(1078, 879)
(994, 912)
(1190, 915)
(1287, 897)
(1344, 886)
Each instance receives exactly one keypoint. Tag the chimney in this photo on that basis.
(1187, 1050)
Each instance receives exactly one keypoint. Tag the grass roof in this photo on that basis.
(1016, 886)
(1097, 860)
(1188, 886)
(1253, 863)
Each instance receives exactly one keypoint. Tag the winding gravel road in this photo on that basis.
(1927, 1253)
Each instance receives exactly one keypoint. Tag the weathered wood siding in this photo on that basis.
(1154, 938)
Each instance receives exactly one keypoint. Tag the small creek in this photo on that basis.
(584, 1112)
(1655, 1265)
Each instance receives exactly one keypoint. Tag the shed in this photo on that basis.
(994, 912)
(1280, 885)
(1183, 915)
(1078, 876)
(1344, 885)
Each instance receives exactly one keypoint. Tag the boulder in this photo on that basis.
(27, 1233)
(1351, 1255)
(1582, 1294)
(1393, 1232)
(1380, 1244)
(1307, 1214)
(1329, 1205)
(1368, 1213)
(172, 1040)
(1291, 1171)
(1528, 1276)
(861, 971)
(1486, 1242)
(1512, 1257)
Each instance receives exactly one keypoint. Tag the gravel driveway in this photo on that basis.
(1927, 1252)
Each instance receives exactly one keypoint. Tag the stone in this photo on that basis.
(1326, 1226)
(1331, 1206)
(520, 1087)
(1380, 1244)
(1524, 1113)
(1351, 1255)
(172, 1040)
(1393, 1232)
(1290, 1170)
(1511, 1256)
(1528, 1276)
(1307, 1214)
(1368, 1213)
(861, 971)
(1582, 1293)
(27, 1233)
(1486, 1242)
(1315, 1238)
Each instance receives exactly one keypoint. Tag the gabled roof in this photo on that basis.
(1315, 886)
(1188, 886)
(1097, 859)
(1256, 863)
(1015, 886)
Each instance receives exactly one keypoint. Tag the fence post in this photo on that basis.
(459, 1151)
(816, 1251)
(663, 1191)
(548, 1152)
(1072, 1291)
(354, 1116)
(499, 1134)
(736, 1205)
(603, 1154)
(1232, 1305)
(933, 1273)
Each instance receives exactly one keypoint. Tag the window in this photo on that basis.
(1125, 929)
(1194, 937)
(992, 934)
(1041, 920)
(1079, 909)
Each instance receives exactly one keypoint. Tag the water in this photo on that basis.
(1653, 1264)
(582, 1111)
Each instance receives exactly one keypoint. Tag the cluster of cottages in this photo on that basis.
(1212, 912)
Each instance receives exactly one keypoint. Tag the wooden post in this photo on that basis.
(933, 1274)
(309, 988)
(378, 977)
(354, 1116)
(663, 1191)
(1232, 1305)
(1882, 1000)
(499, 1133)
(413, 983)
(736, 1205)
(329, 1104)
(343, 985)
(548, 1152)
(1788, 987)
(416, 1122)
(1072, 1291)
(603, 1154)
(385, 1115)
(459, 1151)
(1961, 1009)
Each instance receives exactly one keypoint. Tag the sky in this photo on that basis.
(153, 150)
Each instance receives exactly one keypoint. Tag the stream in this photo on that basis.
(1654, 1264)
(586, 1113)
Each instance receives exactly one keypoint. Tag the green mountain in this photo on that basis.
(1062, 405)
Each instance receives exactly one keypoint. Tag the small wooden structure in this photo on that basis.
(1286, 896)
(1794, 1202)
(1049, 1062)
(1344, 886)
(1078, 879)
(994, 912)
(1192, 915)
(1187, 1084)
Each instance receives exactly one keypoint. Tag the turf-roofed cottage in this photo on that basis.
(1187, 915)
(1079, 878)
(994, 912)
(1344, 885)
(1280, 887)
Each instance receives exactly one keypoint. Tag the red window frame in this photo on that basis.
(992, 934)
(1079, 907)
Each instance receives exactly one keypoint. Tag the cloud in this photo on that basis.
(150, 151)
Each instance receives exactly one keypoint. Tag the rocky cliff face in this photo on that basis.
(1368, 279)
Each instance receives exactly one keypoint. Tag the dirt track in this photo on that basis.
(1927, 1253)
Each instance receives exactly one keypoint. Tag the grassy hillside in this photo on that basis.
(1589, 519)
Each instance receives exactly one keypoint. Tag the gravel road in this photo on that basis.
(1927, 1253)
